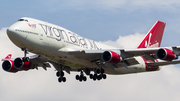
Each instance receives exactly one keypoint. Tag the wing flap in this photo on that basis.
(164, 63)
(131, 61)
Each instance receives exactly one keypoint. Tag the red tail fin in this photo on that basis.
(154, 36)
(8, 56)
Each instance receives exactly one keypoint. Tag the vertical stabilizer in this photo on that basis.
(8, 56)
(154, 36)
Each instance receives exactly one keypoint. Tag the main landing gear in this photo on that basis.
(81, 77)
(98, 75)
(61, 76)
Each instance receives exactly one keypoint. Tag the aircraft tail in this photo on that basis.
(154, 36)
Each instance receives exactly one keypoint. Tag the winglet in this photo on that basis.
(154, 36)
(8, 56)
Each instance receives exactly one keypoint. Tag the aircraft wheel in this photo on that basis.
(98, 71)
(77, 77)
(62, 74)
(60, 79)
(84, 78)
(57, 74)
(63, 79)
(94, 78)
(80, 79)
(104, 76)
(81, 76)
(99, 77)
(91, 76)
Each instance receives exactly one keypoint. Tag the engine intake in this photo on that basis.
(20, 65)
(8, 66)
(166, 54)
(111, 57)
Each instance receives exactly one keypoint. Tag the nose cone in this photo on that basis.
(16, 35)
(11, 32)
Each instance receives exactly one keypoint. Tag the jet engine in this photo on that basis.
(8, 66)
(166, 54)
(20, 65)
(111, 57)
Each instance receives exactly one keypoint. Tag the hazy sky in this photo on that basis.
(115, 22)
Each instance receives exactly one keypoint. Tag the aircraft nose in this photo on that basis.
(11, 32)
(15, 34)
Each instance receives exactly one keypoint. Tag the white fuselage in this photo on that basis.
(54, 43)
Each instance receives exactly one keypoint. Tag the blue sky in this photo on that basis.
(94, 19)
(115, 22)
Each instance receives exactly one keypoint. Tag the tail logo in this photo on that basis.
(148, 42)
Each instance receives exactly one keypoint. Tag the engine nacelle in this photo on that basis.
(8, 66)
(111, 57)
(20, 65)
(166, 54)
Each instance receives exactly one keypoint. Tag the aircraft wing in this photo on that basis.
(129, 54)
(39, 61)
(15, 65)
(125, 53)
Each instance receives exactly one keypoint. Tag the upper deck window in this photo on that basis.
(23, 20)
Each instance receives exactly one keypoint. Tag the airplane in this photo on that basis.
(66, 51)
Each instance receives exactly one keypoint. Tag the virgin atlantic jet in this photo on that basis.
(69, 52)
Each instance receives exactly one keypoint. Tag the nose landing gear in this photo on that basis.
(25, 58)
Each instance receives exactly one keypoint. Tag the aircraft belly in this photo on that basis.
(75, 63)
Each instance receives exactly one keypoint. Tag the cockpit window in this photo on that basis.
(23, 20)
